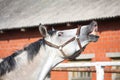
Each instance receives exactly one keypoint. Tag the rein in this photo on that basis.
(60, 47)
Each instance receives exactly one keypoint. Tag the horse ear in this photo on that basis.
(43, 30)
(93, 23)
(53, 29)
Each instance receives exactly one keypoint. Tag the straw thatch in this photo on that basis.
(26, 13)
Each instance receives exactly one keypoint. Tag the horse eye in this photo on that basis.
(95, 25)
(60, 33)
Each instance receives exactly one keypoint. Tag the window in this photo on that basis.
(116, 76)
(115, 56)
(80, 75)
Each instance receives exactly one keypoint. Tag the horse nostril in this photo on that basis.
(96, 36)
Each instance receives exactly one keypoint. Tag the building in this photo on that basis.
(19, 21)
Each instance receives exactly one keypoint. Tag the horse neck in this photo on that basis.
(40, 57)
(29, 70)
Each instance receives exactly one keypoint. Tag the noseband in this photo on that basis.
(60, 47)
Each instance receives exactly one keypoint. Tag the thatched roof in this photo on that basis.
(27, 13)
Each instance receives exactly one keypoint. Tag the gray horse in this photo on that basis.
(36, 60)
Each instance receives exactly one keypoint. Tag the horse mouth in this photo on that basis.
(93, 36)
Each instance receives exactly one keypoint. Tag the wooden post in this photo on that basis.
(99, 72)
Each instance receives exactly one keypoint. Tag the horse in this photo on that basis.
(36, 60)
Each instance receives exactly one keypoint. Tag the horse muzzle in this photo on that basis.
(93, 36)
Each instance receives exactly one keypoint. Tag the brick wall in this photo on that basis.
(109, 41)
(13, 40)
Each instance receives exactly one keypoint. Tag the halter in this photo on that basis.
(60, 47)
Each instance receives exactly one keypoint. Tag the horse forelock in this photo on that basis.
(9, 63)
(51, 33)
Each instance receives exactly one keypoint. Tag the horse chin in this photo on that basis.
(93, 38)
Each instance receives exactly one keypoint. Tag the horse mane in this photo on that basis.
(9, 63)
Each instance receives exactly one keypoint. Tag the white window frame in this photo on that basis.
(82, 58)
(115, 57)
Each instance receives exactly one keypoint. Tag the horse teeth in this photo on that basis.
(94, 32)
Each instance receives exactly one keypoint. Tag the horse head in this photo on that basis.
(61, 39)
(89, 32)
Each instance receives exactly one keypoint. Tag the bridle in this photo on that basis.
(60, 47)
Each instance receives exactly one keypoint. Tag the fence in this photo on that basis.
(99, 67)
